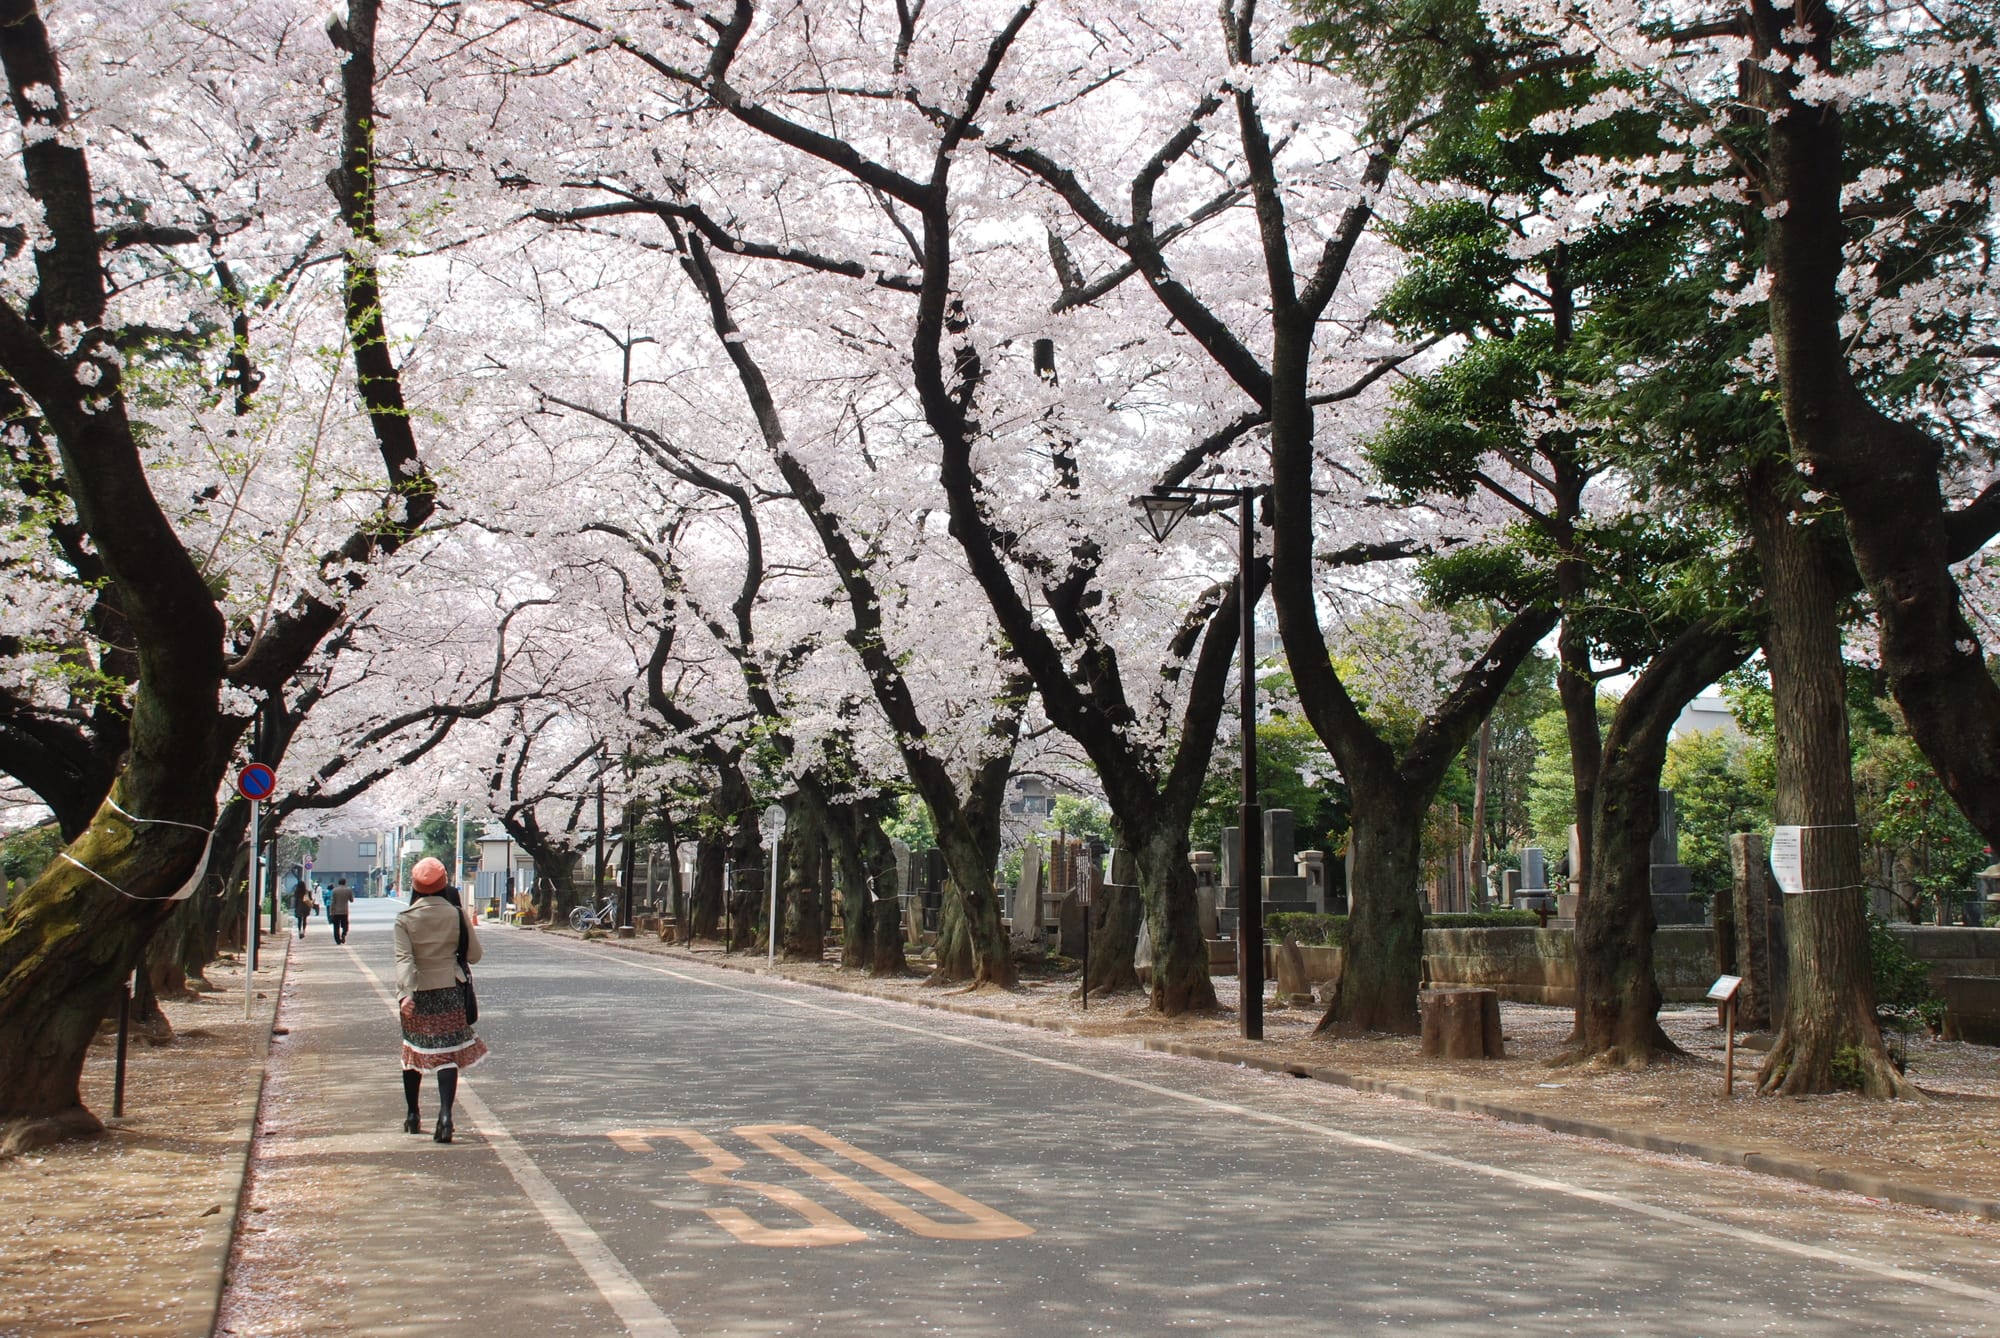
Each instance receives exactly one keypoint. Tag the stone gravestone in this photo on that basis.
(1071, 921)
(1673, 882)
(1533, 893)
(1284, 892)
(1206, 898)
(1755, 908)
(1510, 882)
(1026, 910)
(906, 886)
(1293, 986)
(1574, 879)
(1230, 891)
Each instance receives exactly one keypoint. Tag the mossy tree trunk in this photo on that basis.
(1383, 965)
(1618, 999)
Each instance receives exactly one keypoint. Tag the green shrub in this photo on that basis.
(1902, 983)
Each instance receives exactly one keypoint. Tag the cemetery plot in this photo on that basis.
(823, 1225)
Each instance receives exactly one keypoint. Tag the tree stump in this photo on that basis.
(1461, 1024)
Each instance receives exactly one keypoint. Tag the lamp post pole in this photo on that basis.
(1163, 509)
(1250, 816)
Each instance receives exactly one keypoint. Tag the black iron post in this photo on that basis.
(625, 916)
(1250, 929)
(124, 1030)
(597, 884)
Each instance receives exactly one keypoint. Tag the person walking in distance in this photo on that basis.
(302, 903)
(430, 974)
(338, 902)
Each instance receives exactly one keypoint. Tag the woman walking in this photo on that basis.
(435, 942)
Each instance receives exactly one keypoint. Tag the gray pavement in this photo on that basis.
(617, 1170)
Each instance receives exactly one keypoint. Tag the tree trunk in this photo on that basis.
(53, 991)
(1618, 999)
(704, 915)
(1181, 982)
(1384, 962)
(1114, 918)
(952, 963)
(804, 925)
(1828, 1037)
(1577, 688)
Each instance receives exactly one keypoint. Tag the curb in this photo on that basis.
(1720, 1154)
(219, 1240)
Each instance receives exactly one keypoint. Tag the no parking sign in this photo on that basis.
(256, 782)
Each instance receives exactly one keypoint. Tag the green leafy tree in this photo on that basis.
(1716, 795)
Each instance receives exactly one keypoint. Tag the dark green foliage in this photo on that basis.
(1902, 983)
(25, 854)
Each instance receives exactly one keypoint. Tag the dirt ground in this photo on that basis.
(125, 1234)
(1948, 1139)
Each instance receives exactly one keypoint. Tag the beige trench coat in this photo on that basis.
(427, 946)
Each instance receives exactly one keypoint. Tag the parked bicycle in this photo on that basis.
(604, 917)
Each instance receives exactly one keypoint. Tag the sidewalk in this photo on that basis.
(129, 1234)
(1941, 1153)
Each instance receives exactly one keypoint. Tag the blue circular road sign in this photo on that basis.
(256, 781)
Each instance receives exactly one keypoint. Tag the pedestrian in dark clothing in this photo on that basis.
(303, 904)
(338, 902)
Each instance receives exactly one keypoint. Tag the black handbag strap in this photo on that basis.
(463, 936)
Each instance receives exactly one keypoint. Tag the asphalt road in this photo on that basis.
(661, 1148)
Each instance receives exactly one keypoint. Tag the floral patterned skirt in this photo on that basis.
(435, 1032)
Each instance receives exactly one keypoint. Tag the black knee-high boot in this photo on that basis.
(447, 1093)
(413, 1086)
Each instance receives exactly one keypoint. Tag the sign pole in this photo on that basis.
(1723, 991)
(1729, 1049)
(773, 827)
(771, 956)
(250, 906)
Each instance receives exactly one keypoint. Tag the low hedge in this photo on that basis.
(1330, 931)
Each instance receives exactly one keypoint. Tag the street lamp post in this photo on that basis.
(1163, 509)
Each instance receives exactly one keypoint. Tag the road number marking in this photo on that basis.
(826, 1227)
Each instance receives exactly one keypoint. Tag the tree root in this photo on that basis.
(40, 1131)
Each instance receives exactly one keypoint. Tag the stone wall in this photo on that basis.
(1951, 951)
(1538, 965)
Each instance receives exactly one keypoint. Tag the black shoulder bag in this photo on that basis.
(465, 986)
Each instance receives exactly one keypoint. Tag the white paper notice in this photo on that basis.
(1787, 863)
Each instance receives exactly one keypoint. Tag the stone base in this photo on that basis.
(626, 931)
(1677, 908)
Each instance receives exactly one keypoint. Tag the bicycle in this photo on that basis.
(604, 917)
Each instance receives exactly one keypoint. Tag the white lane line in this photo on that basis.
(1707, 1226)
(614, 1282)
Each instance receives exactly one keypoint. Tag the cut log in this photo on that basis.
(1461, 1024)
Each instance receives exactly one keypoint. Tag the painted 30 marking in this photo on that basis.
(823, 1225)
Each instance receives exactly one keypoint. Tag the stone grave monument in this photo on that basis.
(1025, 910)
(1533, 892)
(1673, 882)
(1285, 893)
(1207, 888)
